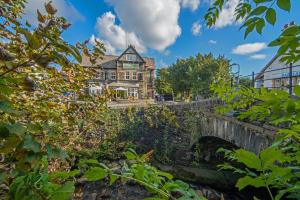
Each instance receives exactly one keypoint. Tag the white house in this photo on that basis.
(276, 74)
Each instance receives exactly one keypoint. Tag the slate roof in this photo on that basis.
(107, 62)
(110, 61)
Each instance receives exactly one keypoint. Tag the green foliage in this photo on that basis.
(255, 14)
(38, 185)
(273, 168)
(36, 121)
(192, 76)
(159, 183)
(278, 166)
(162, 82)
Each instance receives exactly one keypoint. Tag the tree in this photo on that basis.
(36, 126)
(194, 75)
(162, 82)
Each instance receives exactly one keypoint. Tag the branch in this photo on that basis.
(26, 62)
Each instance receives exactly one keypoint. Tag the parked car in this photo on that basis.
(164, 97)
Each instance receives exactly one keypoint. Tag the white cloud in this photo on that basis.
(146, 24)
(192, 4)
(258, 56)
(64, 7)
(115, 36)
(196, 28)
(110, 50)
(167, 52)
(226, 16)
(249, 48)
(212, 41)
(162, 64)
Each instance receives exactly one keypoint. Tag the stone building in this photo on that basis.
(129, 75)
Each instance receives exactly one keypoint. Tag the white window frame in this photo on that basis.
(133, 92)
(127, 75)
(134, 76)
(128, 56)
(113, 75)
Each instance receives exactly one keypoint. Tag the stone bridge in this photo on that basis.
(197, 120)
(210, 124)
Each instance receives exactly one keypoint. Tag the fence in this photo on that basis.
(286, 79)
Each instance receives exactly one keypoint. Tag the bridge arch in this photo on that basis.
(243, 135)
(206, 148)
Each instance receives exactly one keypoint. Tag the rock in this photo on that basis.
(203, 175)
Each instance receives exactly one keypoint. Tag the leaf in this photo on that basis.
(95, 174)
(130, 155)
(30, 144)
(284, 4)
(271, 16)
(113, 178)
(64, 193)
(260, 25)
(41, 17)
(248, 158)
(249, 29)
(249, 181)
(62, 176)
(258, 11)
(297, 90)
(33, 40)
(165, 174)
(5, 106)
(4, 132)
(268, 158)
(17, 129)
(261, 1)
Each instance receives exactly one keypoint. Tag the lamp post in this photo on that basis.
(237, 73)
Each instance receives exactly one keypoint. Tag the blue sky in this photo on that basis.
(162, 29)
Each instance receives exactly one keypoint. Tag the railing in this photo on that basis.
(286, 81)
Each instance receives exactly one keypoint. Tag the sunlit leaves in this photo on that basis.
(255, 20)
(65, 192)
(288, 43)
(248, 158)
(159, 183)
(50, 8)
(284, 4)
(95, 174)
(31, 144)
(247, 180)
(271, 16)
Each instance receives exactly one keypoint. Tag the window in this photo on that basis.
(134, 76)
(113, 75)
(133, 92)
(130, 66)
(102, 75)
(131, 57)
(127, 76)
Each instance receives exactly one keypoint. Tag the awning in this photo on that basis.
(120, 89)
(122, 85)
